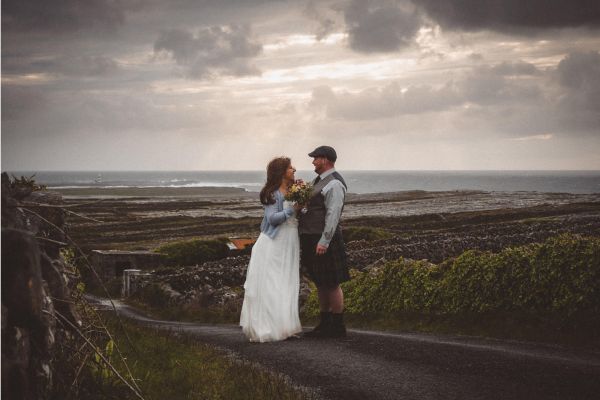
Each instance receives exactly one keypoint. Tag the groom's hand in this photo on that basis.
(321, 250)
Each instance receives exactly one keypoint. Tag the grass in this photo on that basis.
(170, 365)
(215, 315)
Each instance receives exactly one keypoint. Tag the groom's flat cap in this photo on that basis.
(324, 151)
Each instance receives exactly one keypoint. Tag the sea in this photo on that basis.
(579, 182)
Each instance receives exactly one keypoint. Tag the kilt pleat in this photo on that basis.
(329, 269)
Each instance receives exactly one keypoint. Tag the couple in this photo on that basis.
(291, 234)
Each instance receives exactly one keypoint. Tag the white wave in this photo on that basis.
(188, 185)
(219, 184)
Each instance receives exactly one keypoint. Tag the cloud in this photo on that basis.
(386, 102)
(487, 85)
(545, 136)
(326, 24)
(392, 25)
(380, 26)
(580, 71)
(509, 15)
(518, 68)
(65, 16)
(481, 86)
(64, 113)
(579, 76)
(224, 50)
(72, 66)
(19, 101)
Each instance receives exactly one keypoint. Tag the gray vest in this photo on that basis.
(313, 222)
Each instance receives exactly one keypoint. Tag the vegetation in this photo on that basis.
(153, 301)
(555, 284)
(169, 365)
(26, 182)
(19, 188)
(196, 251)
(365, 233)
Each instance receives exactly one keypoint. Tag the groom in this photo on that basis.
(323, 254)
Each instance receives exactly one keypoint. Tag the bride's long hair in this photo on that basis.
(275, 171)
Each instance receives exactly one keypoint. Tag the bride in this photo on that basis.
(270, 308)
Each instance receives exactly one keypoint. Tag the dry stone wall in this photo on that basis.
(36, 287)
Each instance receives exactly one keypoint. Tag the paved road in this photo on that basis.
(379, 365)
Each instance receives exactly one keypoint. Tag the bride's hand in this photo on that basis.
(298, 207)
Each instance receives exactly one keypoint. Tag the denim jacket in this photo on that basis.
(275, 215)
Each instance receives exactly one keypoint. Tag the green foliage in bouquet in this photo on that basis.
(191, 252)
(299, 192)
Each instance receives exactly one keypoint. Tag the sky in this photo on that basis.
(230, 84)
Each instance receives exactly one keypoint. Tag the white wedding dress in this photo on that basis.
(270, 308)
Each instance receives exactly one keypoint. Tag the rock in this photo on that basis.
(34, 289)
(21, 279)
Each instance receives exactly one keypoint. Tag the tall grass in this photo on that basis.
(169, 365)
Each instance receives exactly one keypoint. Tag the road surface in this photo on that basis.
(381, 365)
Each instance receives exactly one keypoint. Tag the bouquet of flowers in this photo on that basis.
(299, 192)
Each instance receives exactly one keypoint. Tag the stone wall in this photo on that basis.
(110, 264)
(36, 288)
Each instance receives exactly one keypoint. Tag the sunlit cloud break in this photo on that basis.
(546, 136)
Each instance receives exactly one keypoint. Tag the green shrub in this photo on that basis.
(365, 233)
(153, 295)
(559, 278)
(195, 251)
(565, 276)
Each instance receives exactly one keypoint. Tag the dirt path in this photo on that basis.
(379, 365)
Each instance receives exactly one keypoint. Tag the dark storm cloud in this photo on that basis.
(226, 50)
(64, 16)
(391, 25)
(376, 26)
(509, 15)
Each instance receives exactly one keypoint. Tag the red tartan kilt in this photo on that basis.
(328, 270)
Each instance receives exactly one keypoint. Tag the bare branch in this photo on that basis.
(113, 369)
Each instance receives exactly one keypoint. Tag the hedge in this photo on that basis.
(558, 278)
(191, 252)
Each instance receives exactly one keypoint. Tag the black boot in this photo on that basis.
(337, 329)
(323, 327)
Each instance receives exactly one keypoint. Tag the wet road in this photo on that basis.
(379, 365)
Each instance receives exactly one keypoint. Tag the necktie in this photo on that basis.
(318, 179)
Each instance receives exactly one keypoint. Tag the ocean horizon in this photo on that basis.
(359, 181)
